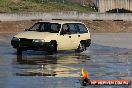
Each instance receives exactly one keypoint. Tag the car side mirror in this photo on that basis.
(26, 29)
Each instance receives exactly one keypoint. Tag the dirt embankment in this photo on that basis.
(15, 26)
(94, 26)
(109, 26)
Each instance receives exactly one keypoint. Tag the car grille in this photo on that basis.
(25, 42)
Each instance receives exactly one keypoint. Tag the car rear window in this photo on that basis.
(82, 28)
(76, 28)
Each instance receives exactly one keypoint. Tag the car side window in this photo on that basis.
(82, 28)
(69, 28)
(72, 28)
(42, 27)
(65, 29)
(47, 27)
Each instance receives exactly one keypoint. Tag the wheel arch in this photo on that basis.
(53, 41)
(87, 42)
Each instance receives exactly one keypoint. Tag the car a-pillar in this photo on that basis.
(52, 47)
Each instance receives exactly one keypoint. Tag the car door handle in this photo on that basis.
(69, 36)
(78, 35)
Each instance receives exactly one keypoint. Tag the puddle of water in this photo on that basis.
(55, 65)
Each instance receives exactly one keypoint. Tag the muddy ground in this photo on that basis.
(108, 57)
(94, 26)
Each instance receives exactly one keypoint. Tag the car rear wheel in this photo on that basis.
(81, 48)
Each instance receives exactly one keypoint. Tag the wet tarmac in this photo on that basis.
(108, 57)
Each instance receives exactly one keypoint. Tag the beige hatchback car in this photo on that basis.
(52, 36)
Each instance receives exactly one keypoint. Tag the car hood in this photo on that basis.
(34, 35)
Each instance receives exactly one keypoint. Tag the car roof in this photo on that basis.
(61, 21)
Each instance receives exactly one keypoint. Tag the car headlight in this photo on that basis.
(38, 40)
(15, 39)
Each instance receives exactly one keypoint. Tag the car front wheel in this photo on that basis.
(52, 48)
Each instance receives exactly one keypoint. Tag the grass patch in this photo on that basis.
(7, 6)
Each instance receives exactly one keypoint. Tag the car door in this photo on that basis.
(78, 32)
(74, 35)
(65, 38)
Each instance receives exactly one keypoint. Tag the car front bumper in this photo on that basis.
(30, 45)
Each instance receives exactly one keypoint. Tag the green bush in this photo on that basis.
(38, 6)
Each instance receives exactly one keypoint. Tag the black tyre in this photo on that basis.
(81, 48)
(19, 52)
(52, 48)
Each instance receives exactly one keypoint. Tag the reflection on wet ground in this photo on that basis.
(36, 69)
(46, 65)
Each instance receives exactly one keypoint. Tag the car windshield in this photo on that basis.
(45, 27)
